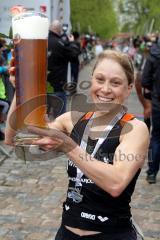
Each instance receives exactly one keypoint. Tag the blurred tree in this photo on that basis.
(97, 16)
(140, 16)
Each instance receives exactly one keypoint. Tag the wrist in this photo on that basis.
(68, 145)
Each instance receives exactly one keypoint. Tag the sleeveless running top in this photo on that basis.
(96, 209)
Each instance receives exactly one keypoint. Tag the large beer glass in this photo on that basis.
(30, 33)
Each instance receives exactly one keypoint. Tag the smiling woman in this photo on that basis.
(103, 164)
(112, 80)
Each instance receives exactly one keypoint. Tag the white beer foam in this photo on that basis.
(30, 27)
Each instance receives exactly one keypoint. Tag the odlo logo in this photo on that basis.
(88, 216)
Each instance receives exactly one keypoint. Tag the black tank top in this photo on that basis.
(98, 210)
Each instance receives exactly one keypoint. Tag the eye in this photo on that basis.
(99, 79)
(116, 83)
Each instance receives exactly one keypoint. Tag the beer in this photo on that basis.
(30, 32)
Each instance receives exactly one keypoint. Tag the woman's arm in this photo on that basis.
(63, 123)
(58, 124)
(128, 158)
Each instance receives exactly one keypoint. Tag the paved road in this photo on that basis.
(32, 192)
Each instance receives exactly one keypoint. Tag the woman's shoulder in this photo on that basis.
(72, 116)
(136, 123)
(135, 128)
(69, 119)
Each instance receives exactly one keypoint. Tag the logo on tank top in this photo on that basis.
(88, 216)
(102, 219)
(106, 160)
(67, 207)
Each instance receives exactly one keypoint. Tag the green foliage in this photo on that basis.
(9, 36)
(96, 16)
(143, 16)
(2, 35)
(10, 33)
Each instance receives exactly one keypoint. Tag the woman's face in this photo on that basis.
(109, 85)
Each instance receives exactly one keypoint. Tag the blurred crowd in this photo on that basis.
(79, 50)
(6, 88)
(90, 45)
(145, 54)
(137, 47)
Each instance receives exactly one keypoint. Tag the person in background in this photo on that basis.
(98, 47)
(126, 46)
(4, 105)
(146, 103)
(104, 163)
(139, 62)
(5, 53)
(59, 54)
(151, 85)
(75, 64)
(64, 35)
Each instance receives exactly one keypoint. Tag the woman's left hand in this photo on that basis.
(52, 139)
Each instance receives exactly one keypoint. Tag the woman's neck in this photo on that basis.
(108, 115)
(100, 121)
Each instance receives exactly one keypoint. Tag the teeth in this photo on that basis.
(104, 99)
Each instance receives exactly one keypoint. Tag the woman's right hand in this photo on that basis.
(12, 70)
(52, 139)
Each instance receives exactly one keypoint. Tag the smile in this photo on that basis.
(104, 99)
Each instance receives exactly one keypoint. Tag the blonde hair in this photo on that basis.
(121, 58)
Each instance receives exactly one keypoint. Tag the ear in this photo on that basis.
(130, 87)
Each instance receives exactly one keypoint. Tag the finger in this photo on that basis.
(46, 118)
(45, 132)
(12, 62)
(44, 141)
(47, 147)
(12, 71)
(38, 131)
(12, 80)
